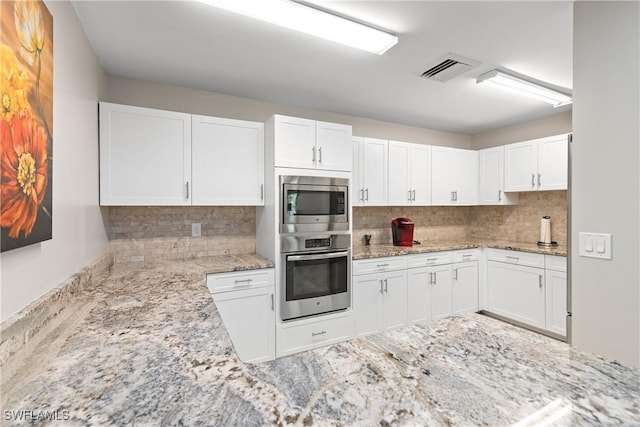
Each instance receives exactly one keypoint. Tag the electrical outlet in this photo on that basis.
(196, 229)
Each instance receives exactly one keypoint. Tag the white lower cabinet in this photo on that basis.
(528, 288)
(465, 287)
(245, 301)
(307, 334)
(380, 301)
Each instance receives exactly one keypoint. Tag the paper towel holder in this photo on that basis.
(545, 233)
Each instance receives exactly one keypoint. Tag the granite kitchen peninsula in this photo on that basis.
(147, 347)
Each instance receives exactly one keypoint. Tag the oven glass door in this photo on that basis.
(314, 201)
(316, 275)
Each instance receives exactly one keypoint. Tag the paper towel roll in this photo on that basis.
(545, 229)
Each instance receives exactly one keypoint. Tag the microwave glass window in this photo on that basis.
(313, 203)
(316, 278)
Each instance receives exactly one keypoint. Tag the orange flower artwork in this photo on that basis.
(26, 123)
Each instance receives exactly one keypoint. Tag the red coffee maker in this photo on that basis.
(402, 231)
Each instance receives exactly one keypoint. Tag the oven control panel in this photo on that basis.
(317, 243)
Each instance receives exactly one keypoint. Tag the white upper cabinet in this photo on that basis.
(491, 191)
(454, 179)
(539, 164)
(370, 165)
(553, 163)
(154, 157)
(145, 156)
(307, 144)
(228, 162)
(409, 174)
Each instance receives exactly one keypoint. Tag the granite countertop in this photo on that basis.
(202, 265)
(377, 251)
(148, 347)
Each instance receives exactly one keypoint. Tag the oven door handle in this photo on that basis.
(317, 256)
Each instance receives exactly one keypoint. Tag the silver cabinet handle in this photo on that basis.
(466, 255)
(245, 282)
(455, 274)
(273, 307)
(414, 195)
(381, 289)
(456, 194)
(315, 334)
(382, 265)
(386, 287)
(499, 195)
(515, 258)
(261, 191)
(539, 180)
(435, 277)
(320, 155)
(187, 189)
(367, 195)
(452, 196)
(432, 259)
(540, 280)
(313, 154)
(431, 278)
(533, 180)
(362, 194)
(409, 195)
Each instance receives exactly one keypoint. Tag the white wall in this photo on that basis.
(165, 97)
(79, 235)
(546, 126)
(606, 178)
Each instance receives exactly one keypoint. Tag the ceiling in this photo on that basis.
(190, 44)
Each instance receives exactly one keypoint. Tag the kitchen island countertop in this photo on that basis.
(148, 347)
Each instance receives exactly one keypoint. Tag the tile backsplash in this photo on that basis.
(153, 233)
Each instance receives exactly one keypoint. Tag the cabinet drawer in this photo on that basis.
(379, 265)
(516, 257)
(466, 255)
(556, 263)
(238, 280)
(311, 333)
(426, 260)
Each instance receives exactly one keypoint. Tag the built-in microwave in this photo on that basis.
(314, 204)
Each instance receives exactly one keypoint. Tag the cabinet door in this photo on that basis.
(368, 294)
(441, 293)
(516, 292)
(420, 174)
(145, 156)
(295, 142)
(228, 162)
(399, 192)
(374, 171)
(521, 166)
(419, 295)
(465, 287)
(333, 146)
(441, 176)
(357, 192)
(249, 317)
(491, 176)
(395, 299)
(465, 177)
(553, 163)
(556, 299)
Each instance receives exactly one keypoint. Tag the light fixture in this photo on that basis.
(524, 87)
(306, 19)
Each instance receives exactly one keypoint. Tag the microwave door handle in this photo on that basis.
(317, 256)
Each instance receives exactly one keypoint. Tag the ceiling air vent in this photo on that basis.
(448, 67)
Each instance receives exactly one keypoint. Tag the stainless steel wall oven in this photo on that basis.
(316, 274)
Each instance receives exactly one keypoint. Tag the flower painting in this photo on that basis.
(26, 123)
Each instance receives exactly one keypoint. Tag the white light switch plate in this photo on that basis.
(595, 245)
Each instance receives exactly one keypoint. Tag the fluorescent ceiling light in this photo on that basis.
(524, 87)
(299, 17)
